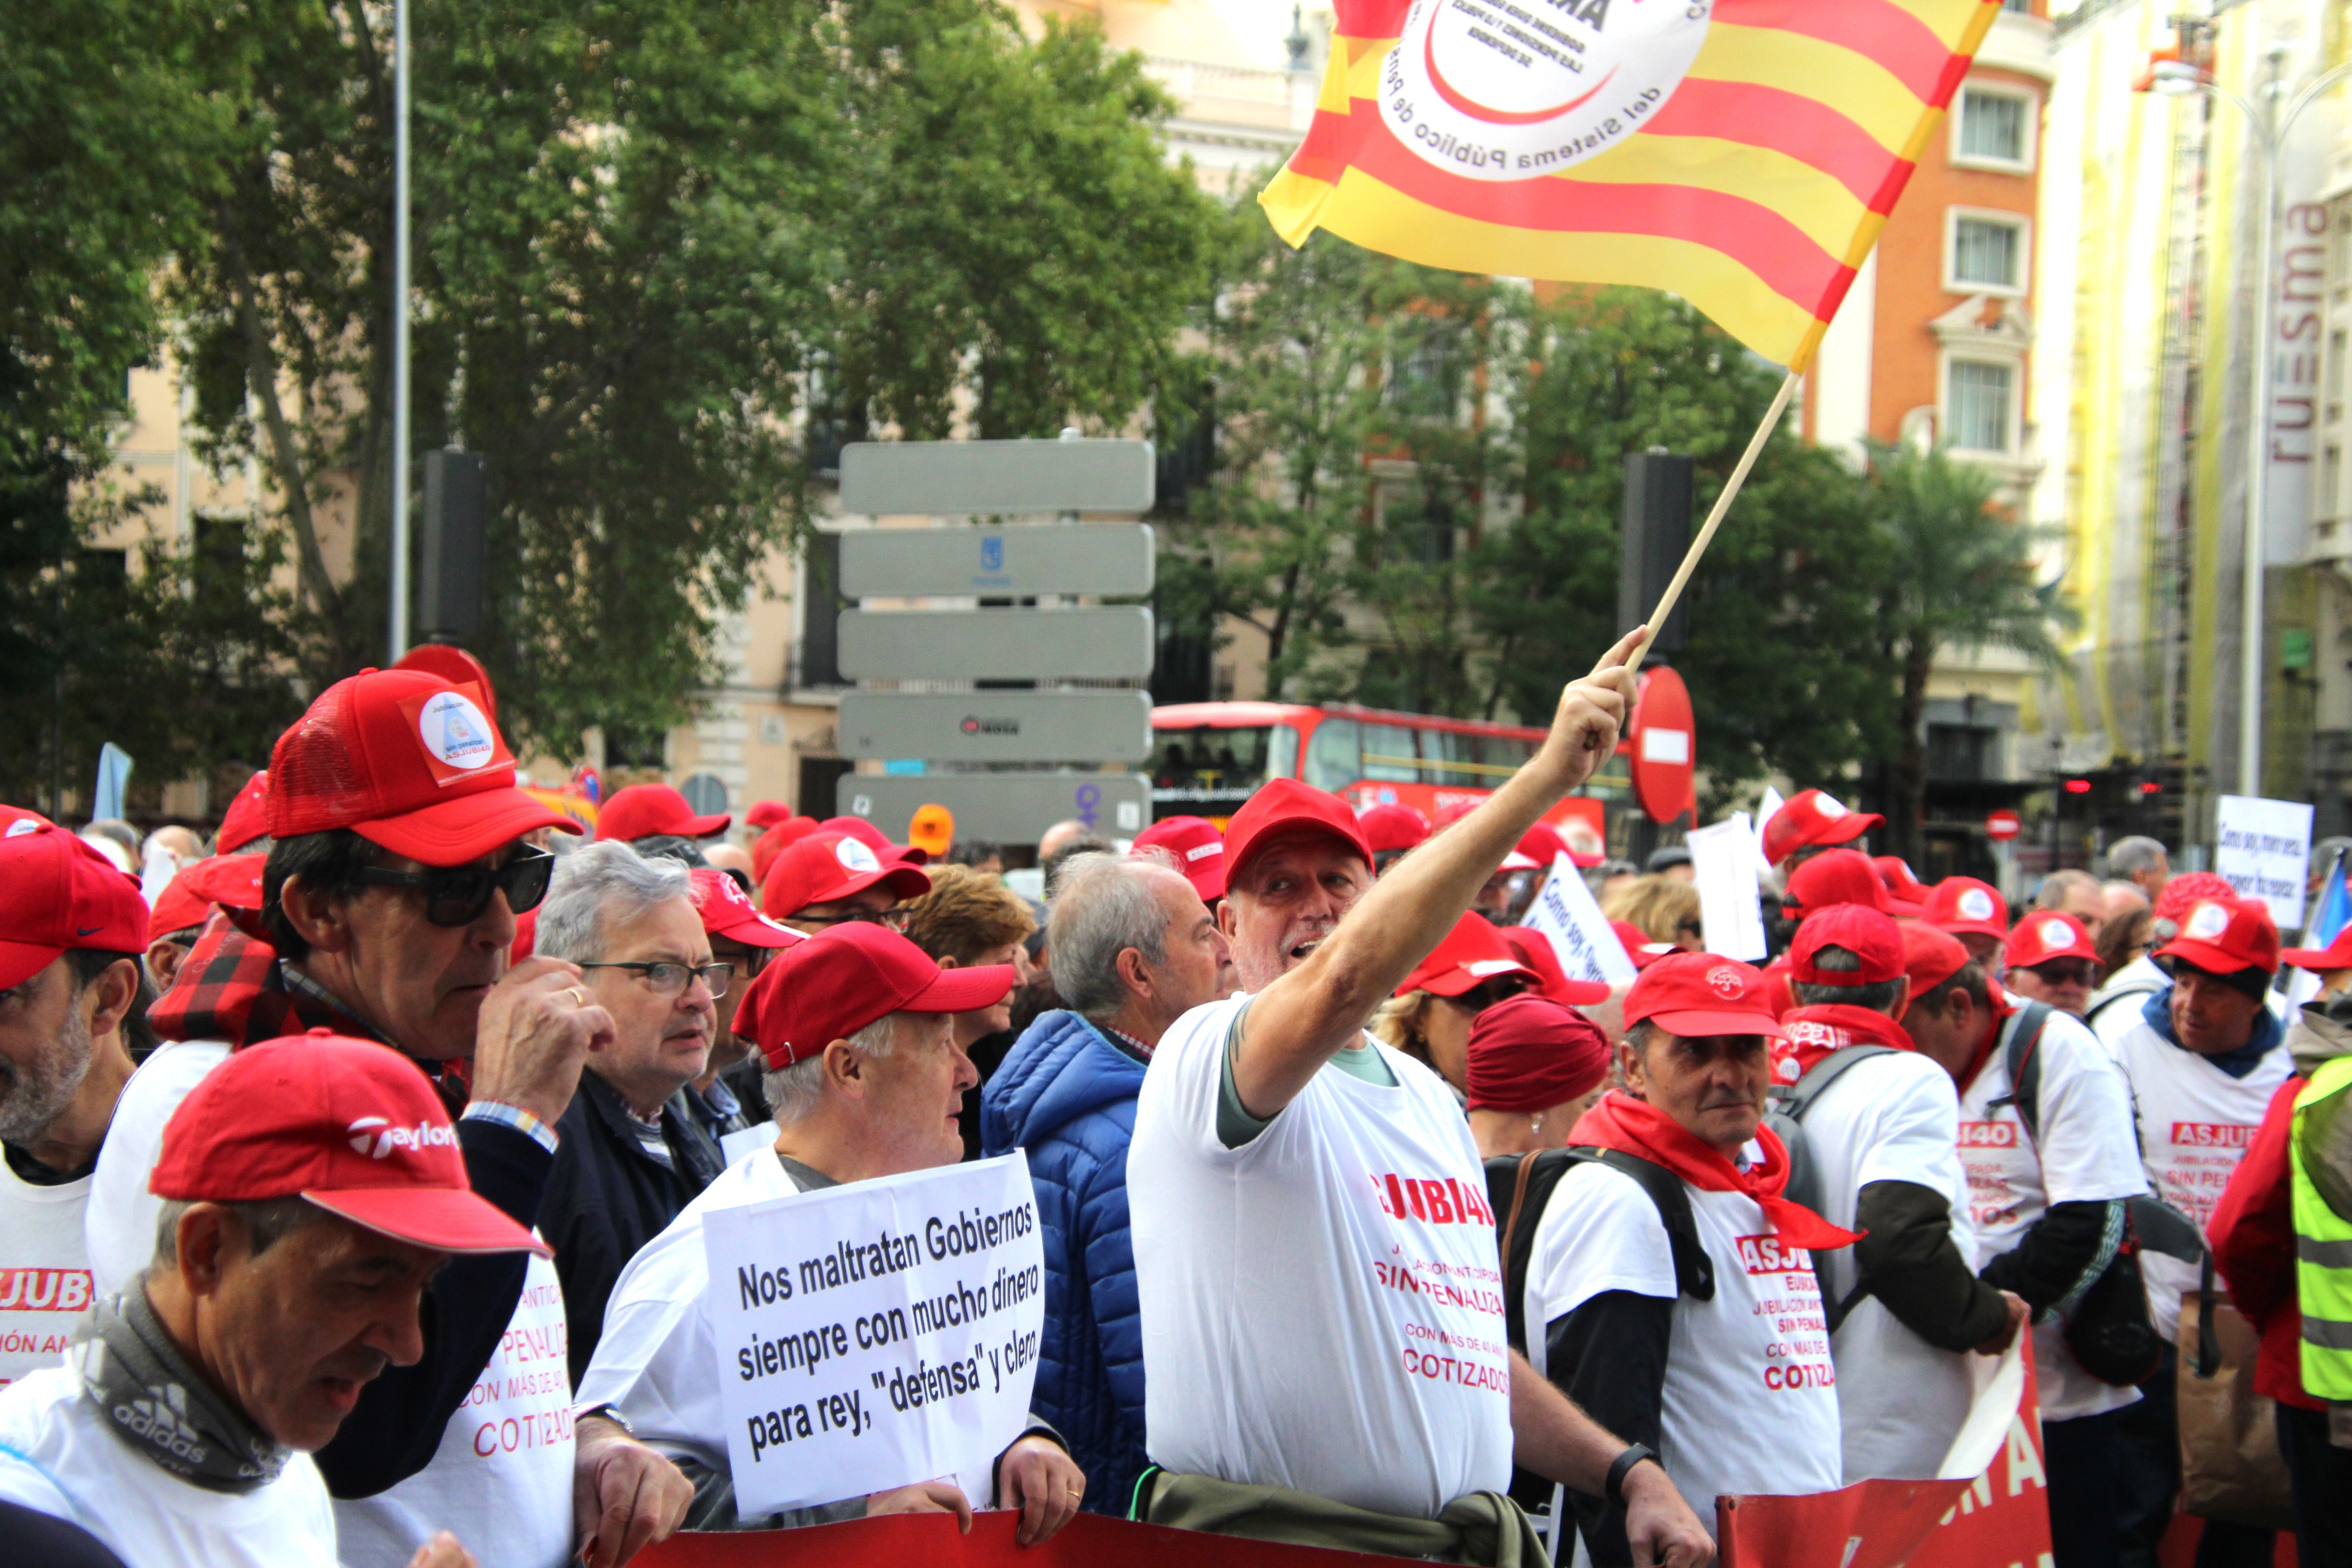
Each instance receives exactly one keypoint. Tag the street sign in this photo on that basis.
(2000, 827)
(997, 726)
(971, 478)
(1110, 643)
(1664, 771)
(1106, 558)
(1005, 808)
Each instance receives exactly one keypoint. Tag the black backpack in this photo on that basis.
(1785, 1113)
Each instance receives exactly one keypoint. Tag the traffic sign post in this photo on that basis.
(998, 726)
(1114, 559)
(1005, 808)
(2003, 826)
(977, 479)
(1113, 643)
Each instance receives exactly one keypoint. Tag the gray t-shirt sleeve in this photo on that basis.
(1236, 1127)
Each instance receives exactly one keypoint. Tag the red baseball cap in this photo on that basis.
(1832, 878)
(1697, 994)
(348, 1125)
(642, 810)
(2189, 890)
(776, 840)
(1196, 847)
(873, 839)
(246, 817)
(407, 760)
(726, 911)
(1930, 957)
(842, 979)
(2045, 934)
(827, 867)
(231, 881)
(1869, 934)
(15, 819)
(1906, 894)
(1638, 945)
(2336, 954)
(1472, 953)
(1808, 819)
(58, 893)
(1528, 1053)
(1390, 828)
(2223, 936)
(766, 813)
(1285, 806)
(1534, 949)
(1964, 906)
(1543, 845)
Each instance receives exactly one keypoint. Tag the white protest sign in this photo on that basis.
(1722, 857)
(2263, 849)
(878, 1335)
(1564, 912)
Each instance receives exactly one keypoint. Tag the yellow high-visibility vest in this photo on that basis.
(2322, 1154)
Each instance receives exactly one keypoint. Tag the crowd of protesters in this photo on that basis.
(355, 1178)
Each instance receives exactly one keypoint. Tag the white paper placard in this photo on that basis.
(1569, 920)
(2263, 849)
(878, 1335)
(1722, 857)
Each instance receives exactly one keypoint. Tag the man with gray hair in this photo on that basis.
(632, 1154)
(2076, 893)
(1132, 949)
(2141, 861)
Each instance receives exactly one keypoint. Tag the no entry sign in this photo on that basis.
(2000, 827)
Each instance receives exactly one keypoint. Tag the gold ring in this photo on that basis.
(579, 997)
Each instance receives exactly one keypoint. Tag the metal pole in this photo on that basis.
(399, 638)
(2250, 656)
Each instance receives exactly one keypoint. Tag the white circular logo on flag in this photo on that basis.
(1975, 904)
(2054, 935)
(1512, 90)
(2207, 921)
(856, 857)
(454, 731)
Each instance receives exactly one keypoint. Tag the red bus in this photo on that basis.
(1207, 758)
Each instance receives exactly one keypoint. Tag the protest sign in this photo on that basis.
(1564, 912)
(1723, 863)
(2263, 849)
(875, 1335)
(935, 1541)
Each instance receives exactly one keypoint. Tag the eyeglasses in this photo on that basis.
(665, 979)
(456, 895)
(894, 918)
(2061, 971)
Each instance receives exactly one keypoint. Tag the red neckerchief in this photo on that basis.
(1637, 1127)
(1816, 1032)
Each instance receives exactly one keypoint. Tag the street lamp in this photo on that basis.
(399, 608)
(2169, 76)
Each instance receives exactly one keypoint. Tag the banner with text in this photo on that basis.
(1564, 912)
(2263, 849)
(878, 1335)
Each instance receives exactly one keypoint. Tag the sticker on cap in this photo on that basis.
(1202, 851)
(1727, 982)
(454, 731)
(2055, 935)
(1975, 904)
(24, 824)
(1829, 805)
(856, 857)
(1486, 966)
(2207, 921)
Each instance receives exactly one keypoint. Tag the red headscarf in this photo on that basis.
(1637, 1127)
(1528, 1053)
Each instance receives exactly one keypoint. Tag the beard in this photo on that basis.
(34, 1094)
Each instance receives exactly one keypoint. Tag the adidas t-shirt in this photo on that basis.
(45, 1281)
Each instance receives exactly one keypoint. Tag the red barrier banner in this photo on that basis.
(1088, 1541)
(1992, 1511)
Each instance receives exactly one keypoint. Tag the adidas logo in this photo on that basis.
(164, 1423)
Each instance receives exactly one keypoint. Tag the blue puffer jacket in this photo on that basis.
(1066, 1096)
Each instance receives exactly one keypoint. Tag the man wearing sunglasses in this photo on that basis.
(2049, 958)
(398, 862)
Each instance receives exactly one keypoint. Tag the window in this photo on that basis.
(1332, 762)
(1389, 755)
(1988, 253)
(1225, 760)
(1425, 381)
(1976, 408)
(1994, 129)
(1962, 753)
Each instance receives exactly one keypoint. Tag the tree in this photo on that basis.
(1960, 576)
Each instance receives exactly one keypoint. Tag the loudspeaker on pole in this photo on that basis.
(456, 521)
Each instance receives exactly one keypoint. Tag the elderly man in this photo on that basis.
(2075, 893)
(396, 866)
(2142, 862)
(1274, 1240)
(632, 1154)
(1133, 948)
(291, 1262)
(828, 878)
(864, 1076)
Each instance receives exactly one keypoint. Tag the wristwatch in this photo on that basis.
(1614, 1488)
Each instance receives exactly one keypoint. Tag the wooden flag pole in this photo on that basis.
(1713, 518)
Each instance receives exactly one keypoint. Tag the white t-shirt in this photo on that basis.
(2086, 1155)
(1901, 1401)
(1321, 1307)
(44, 1271)
(2196, 1124)
(2115, 1008)
(657, 1363)
(59, 1456)
(500, 1480)
(1751, 1402)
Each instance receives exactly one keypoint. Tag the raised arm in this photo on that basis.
(1298, 1021)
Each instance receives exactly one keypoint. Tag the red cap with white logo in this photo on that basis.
(1196, 847)
(873, 839)
(1697, 994)
(1810, 817)
(726, 911)
(57, 893)
(2043, 935)
(1871, 937)
(349, 1126)
(407, 760)
(1472, 953)
(827, 867)
(1966, 907)
(2223, 936)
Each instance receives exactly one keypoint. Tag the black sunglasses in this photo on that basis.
(456, 895)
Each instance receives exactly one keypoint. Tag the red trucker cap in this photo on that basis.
(643, 811)
(1930, 957)
(1472, 953)
(1831, 877)
(1391, 827)
(407, 760)
(1867, 933)
(1808, 819)
(873, 839)
(765, 814)
(348, 1125)
(1285, 806)
(247, 816)
(1964, 906)
(2223, 936)
(2045, 934)
(1196, 847)
(844, 978)
(824, 867)
(726, 911)
(2186, 892)
(58, 893)
(1696, 994)
(231, 881)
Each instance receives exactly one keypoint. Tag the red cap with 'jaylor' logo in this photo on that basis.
(349, 1126)
(1196, 847)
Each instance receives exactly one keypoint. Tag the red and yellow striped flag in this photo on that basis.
(1743, 153)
